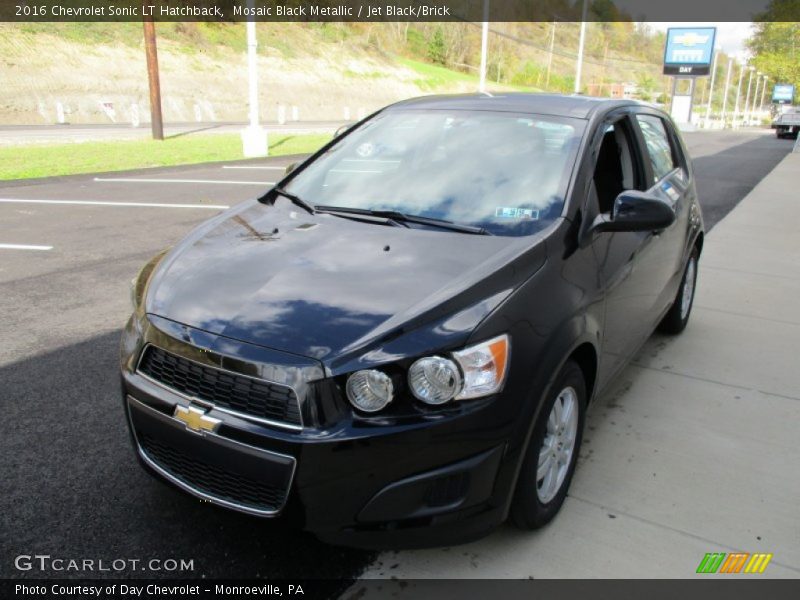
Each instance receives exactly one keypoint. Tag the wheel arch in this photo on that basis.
(585, 355)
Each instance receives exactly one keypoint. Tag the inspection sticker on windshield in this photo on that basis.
(505, 212)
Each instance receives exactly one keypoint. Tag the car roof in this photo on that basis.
(575, 106)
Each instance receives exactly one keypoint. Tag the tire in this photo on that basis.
(676, 319)
(534, 503)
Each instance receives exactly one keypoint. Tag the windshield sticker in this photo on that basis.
(366, 149)
(505, 212)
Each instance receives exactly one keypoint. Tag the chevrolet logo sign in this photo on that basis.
(691, 39)
(195, 419)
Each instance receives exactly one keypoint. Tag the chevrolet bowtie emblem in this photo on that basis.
(195, 419)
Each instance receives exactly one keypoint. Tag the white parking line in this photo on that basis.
(208, 181)
(101, 203)
(254, 167)
(23, 247)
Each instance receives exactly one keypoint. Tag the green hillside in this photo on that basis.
(325, 70)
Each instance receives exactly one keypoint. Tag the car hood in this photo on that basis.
(321, 285)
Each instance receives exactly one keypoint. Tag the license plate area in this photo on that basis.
(210, 466)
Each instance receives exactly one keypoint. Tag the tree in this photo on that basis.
(775, 43)
(437, 50)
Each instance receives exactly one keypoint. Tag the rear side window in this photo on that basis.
(658, 148)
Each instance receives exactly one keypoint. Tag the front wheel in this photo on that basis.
(552, 452)
(678, 316)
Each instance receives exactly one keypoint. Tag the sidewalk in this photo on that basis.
(696, 448)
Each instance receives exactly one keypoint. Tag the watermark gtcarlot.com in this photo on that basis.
(45, 563)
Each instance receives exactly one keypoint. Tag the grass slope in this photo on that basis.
(24, 162)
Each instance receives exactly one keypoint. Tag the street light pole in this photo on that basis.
(484, 46)
(755, 94)
(151, 51)
(725, 91)
(252, 73)
(711, 88)
(579, 66)
(254, 137)
(763, 89)
(738, 93)
(550, 58)
(747, 97)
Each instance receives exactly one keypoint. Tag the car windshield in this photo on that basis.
(506, 173)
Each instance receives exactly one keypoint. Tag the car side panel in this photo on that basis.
(555, 311)
(676, 189)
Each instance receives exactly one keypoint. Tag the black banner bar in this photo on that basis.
(710, 587)
(397, 10)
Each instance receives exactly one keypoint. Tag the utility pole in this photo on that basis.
(711, 89)
(738, 93)
(484, 46)
(579, 66)
(550, 57)
(151, 50)
(747, 97)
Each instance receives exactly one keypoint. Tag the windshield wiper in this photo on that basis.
(400, 217)
(363, 216)
(297, 200)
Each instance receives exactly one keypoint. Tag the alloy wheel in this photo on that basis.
(688, 287)
(558, 446)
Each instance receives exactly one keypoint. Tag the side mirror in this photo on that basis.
(341, 130)
(636, 211)
(290, 168)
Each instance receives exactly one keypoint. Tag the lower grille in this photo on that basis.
(447, 490)
(209, 479)
(246, 395)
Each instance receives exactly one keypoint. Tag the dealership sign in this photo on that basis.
(689, 51)
(783, 93)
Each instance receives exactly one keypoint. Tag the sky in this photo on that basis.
(730, 36)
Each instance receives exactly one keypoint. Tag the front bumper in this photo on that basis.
(787, 129)
(437, 480)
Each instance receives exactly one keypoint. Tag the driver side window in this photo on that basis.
(615, 170)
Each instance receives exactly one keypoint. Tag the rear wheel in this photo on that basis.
(678, 316)
(552, 452)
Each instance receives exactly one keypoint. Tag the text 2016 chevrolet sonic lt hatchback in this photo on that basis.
(397, 344)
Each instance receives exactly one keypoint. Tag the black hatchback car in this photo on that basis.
(397, 344)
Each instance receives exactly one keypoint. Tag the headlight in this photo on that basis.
(484, 367)
(434, 380)
(369, 390)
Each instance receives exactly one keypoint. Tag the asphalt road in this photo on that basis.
(71, 487)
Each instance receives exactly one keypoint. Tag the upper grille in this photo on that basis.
(224, 389)
(211, 480)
